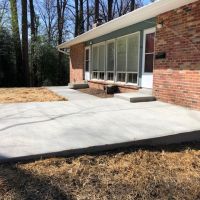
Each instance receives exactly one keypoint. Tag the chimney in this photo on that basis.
(98, 22)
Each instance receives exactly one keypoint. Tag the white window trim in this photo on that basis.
(147, 31)
(106, 67)
(128, 83)
(115, 61)
(97, 45)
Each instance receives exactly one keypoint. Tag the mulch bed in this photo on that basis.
(96, 92)
(22, 95)
(171, 172)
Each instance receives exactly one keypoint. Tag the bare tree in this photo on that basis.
(47, 11)
(96, 10)
(88, 14)
(17, 42)
(110, 10)
(33, 66)
(61, 7)
(133, 5)
(81, 18)
(3, 12)
(25, 42)
(76, 18)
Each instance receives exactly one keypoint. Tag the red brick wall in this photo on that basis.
(122, 88)
(77, 63)
(177, 78)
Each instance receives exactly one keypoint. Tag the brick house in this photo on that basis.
(156, 46)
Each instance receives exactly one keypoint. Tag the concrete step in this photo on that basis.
(146, 91)
(78, 85)
(135, 97)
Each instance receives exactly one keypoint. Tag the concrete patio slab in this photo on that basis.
(33, 129)
(71, 94)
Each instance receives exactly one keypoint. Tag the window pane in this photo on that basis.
(87, 66)
(121, 77)
(101, 57)
(95, 75)
(132, 78)
(87, 54)
(110, 76)
(150, 43)
(95, 58)
(110, 56)
(121, 54)
(133, 53)
(101, 75)
(149, 62)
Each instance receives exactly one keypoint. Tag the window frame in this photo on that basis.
(146, 32)
(89, 59)
(126, 77)
(99, 71)
(114, 71)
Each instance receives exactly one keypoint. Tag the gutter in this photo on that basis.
(62, 51)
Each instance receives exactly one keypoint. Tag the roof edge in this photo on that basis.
(141, 14)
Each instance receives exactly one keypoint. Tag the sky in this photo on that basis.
(146, 1)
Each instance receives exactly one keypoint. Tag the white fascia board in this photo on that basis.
(139, 15)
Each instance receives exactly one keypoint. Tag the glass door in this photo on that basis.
(148, 58)
(87, 64)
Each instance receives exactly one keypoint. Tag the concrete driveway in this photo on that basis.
(87, 123)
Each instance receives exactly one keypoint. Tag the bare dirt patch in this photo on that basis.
(140, 173)
(96, 92)
(22, 95)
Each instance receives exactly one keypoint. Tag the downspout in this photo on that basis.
(62, 51)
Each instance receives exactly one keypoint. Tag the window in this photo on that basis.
(110, 60)
(128, 58)
(149, 53)
(132, 58)
(87, 60)
(122, 59)
(98, 60)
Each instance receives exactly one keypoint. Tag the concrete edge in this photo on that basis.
(153, 142)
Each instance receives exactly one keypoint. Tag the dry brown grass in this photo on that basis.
(131, 174)
(22, 95)
(96, 92)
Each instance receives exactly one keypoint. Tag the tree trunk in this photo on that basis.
(25, 42)
(110, 6)
(88, 15)
(132, 5)
(96, 11)
(61, 6)
(34, 80)
(17, 41)
(81, 19)
(76, 18)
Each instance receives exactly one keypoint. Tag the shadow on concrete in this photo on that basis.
(172, 143)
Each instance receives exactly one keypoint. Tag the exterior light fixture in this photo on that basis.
(160, 25)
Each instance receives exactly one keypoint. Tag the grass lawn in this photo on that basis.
(96, 92)
(22, 95)
(171, 172)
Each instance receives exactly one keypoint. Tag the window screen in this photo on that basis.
(101, 57)
(95, 58)
(110, 56)
(133, 53)
(121, 54)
